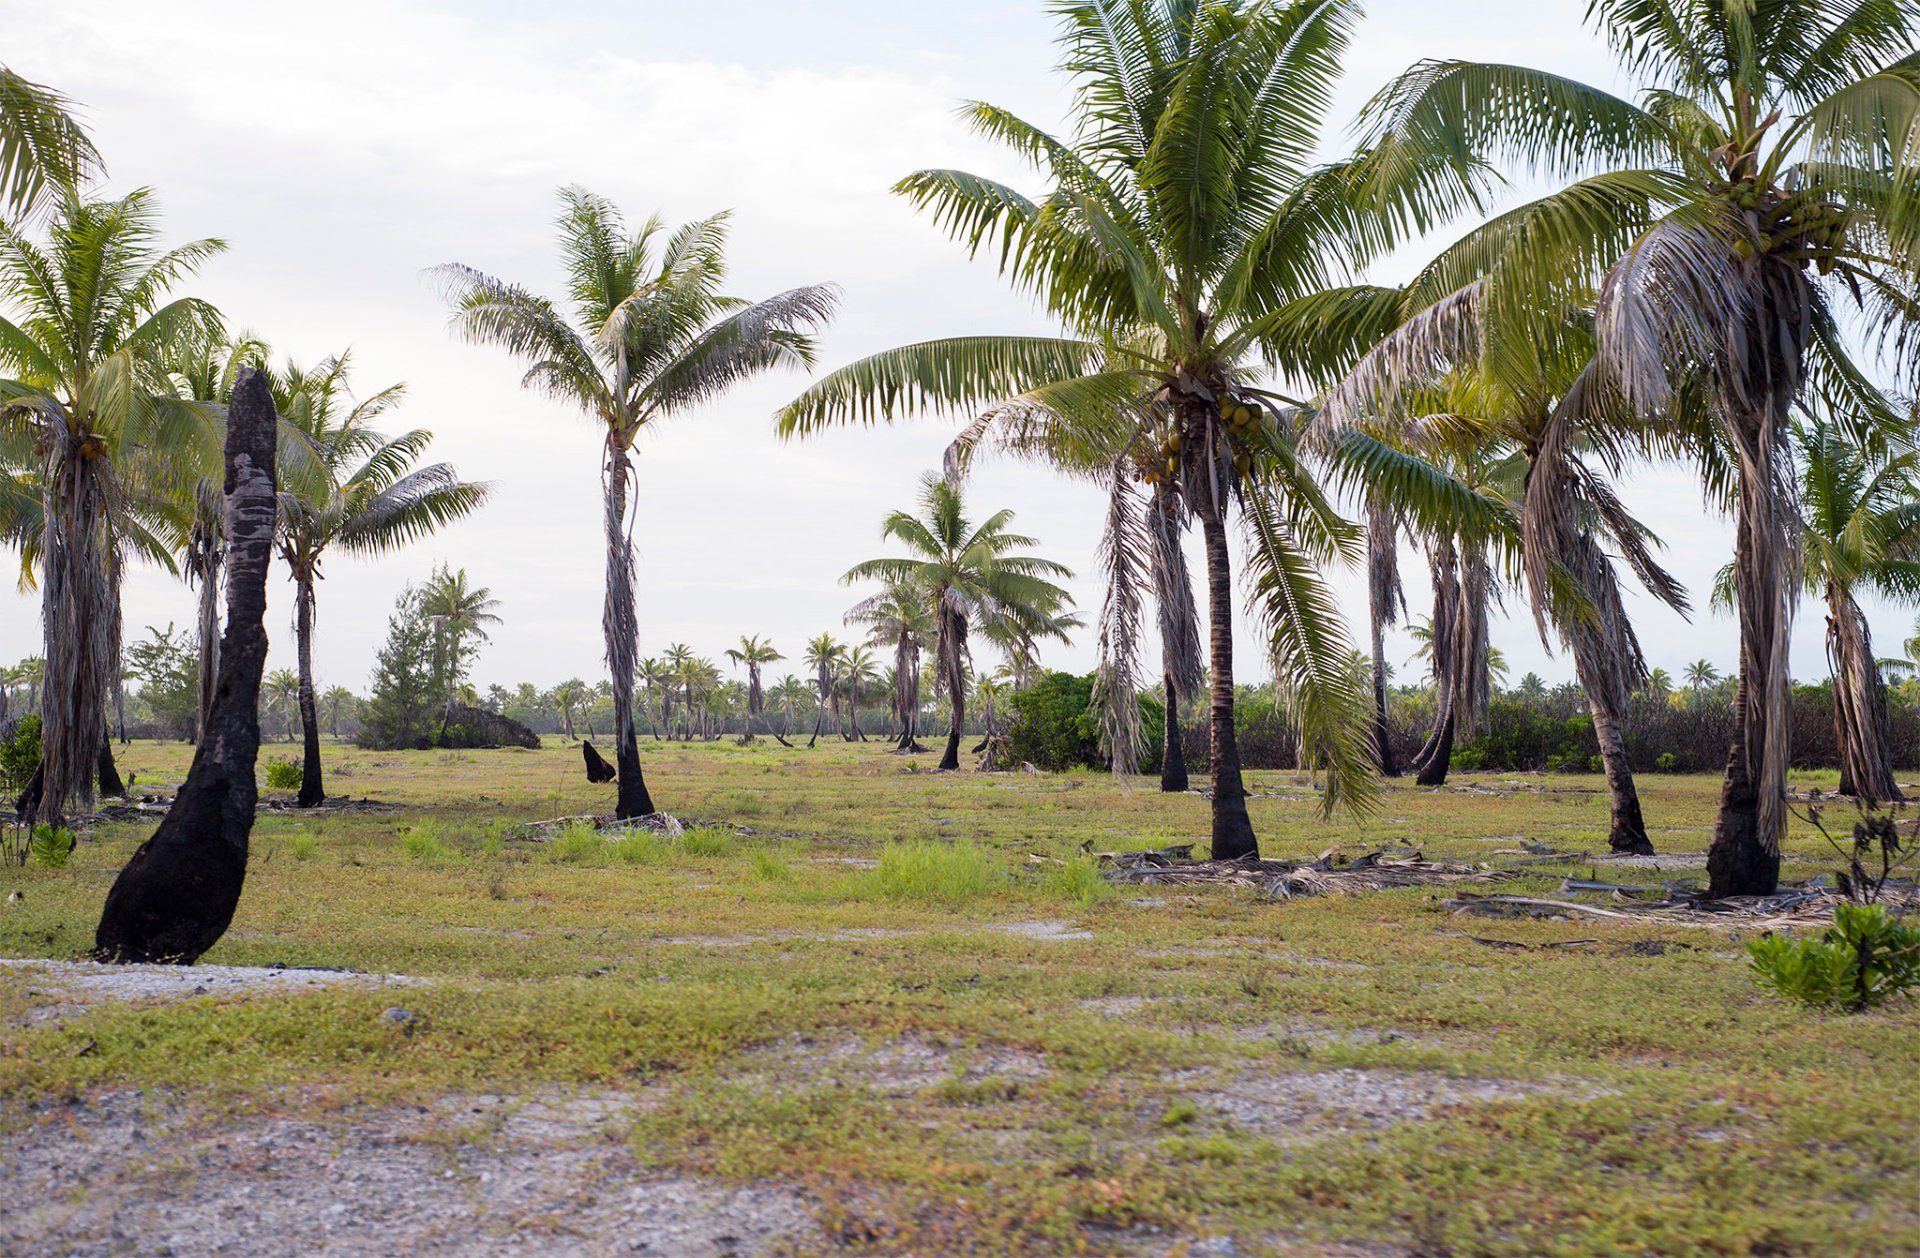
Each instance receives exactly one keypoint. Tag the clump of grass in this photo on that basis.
(771, 866)
(423, 842)
(706, 841)
(1078, 880)
(637, 847)
(578, 842)
(303, 846)
(935, 873)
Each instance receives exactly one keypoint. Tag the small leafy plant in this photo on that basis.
(51, 845)
(1864, 959)
(284, 775)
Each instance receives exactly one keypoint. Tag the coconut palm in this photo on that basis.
(87, 330)
(1762, 174)
(965, 573)
(897, 617)
(43, 151)
(858, 672)
(1188, 206)
(1861, 529)
(1701, 677)
(652, 337)
(281, 693)
(790, 696)
(655, 676)
(755, 653)
(374, 501)
(458, 611)
(823, 657)
(337, 700)
(1659, 683)
(568, 696)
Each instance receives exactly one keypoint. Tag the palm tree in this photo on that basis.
(281, 691)
(1763, 173)
(1861, 527)
(89, 326)
(567, 697)
(964, 573)
(1187, 208)
(858, 671)
(790, 696)
(897, 617)
(337, 699)
(374, 501)
(44, 152)
(823, 657)
(755, 653)
(653, 336)
(681, 665)
(655, 676)
(1659, 683)
(1701, 677)
(458, 611)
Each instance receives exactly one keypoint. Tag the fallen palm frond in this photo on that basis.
(1286, 880)
(1804, 906)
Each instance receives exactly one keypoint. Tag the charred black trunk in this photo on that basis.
(177, 895)
(1173, 756)
(110, 784)
(598, 770)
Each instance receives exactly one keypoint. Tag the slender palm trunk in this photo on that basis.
(1232, 828)
(312, 792)
(1859, 703)
(951, 653)
(1436, 756)
(620, 624)
(1382, 731)
(1173, 754)
(206, 556)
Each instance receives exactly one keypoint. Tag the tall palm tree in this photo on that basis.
(87, 328)
(755, 653)
(823, 657)
(1861, 528)
(280, 693)
(567, 697)
(336, 700)
(653, 336)
(655, 676)
(964, 572)
(1701, 677)
(1188, 206)
(858, 671)
(681, 665)
(1762, 174)
(44, 152)
(897, 617)
(790, 696)
(459, 611)
(374, 501)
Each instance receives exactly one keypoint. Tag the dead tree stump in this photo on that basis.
(177, 895)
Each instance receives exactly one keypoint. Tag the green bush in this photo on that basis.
(1055, 726)
(51, 845)
(423, 843)
(1664, 762)
(1078, 880)
(285, 775)
(1864, 958)
(20, 754)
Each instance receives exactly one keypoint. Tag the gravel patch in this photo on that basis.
(1305, 1106)
(77, 986)
(902, 1066)
(470, 1175)
(1049, 928)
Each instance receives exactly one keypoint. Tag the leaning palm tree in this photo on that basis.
(458, 611)
(373, 502)
(965, 572)
(897, 617)
(1189, 205)
(44, 152)
(823, 657)
(1764, 173)
(755, 652)
(653, 336)
(86, 332)
(1861, 529)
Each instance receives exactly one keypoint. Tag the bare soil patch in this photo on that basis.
(77, 986)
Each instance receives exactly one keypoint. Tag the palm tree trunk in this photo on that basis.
(107, 771)
(80, 619)
(312, 792)
(1626, 832)
(1436, 756)
(1173, 754)
(620, 622)
(208, 552)
(1859, 703)
(950, 651)
(177, 895)
(1233, 835)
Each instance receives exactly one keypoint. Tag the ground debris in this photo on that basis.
(1330, 874)
(1809, 904)
(614, 827)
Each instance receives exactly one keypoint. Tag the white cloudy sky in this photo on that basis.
(342, 149)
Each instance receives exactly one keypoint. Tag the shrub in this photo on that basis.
(636, 847)
(1664, 762)
(20, 754)
(706, 841)
(303, 846)
(582, 841)
(1864, 958)
(1056, 727)
(423, 842)
(935, 873)
(51, 845)
(285, 775)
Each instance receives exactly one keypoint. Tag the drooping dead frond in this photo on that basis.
(1125, 558)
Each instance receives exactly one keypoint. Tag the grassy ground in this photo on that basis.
(1086, 1068)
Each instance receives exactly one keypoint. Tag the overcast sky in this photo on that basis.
(343, 149)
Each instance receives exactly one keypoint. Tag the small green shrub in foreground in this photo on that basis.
(935, 873)
(1864, 958)
(302, 846)
(423, 842)
(284, 775)
(51, 846)
(1078, 880)
(706, 841)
